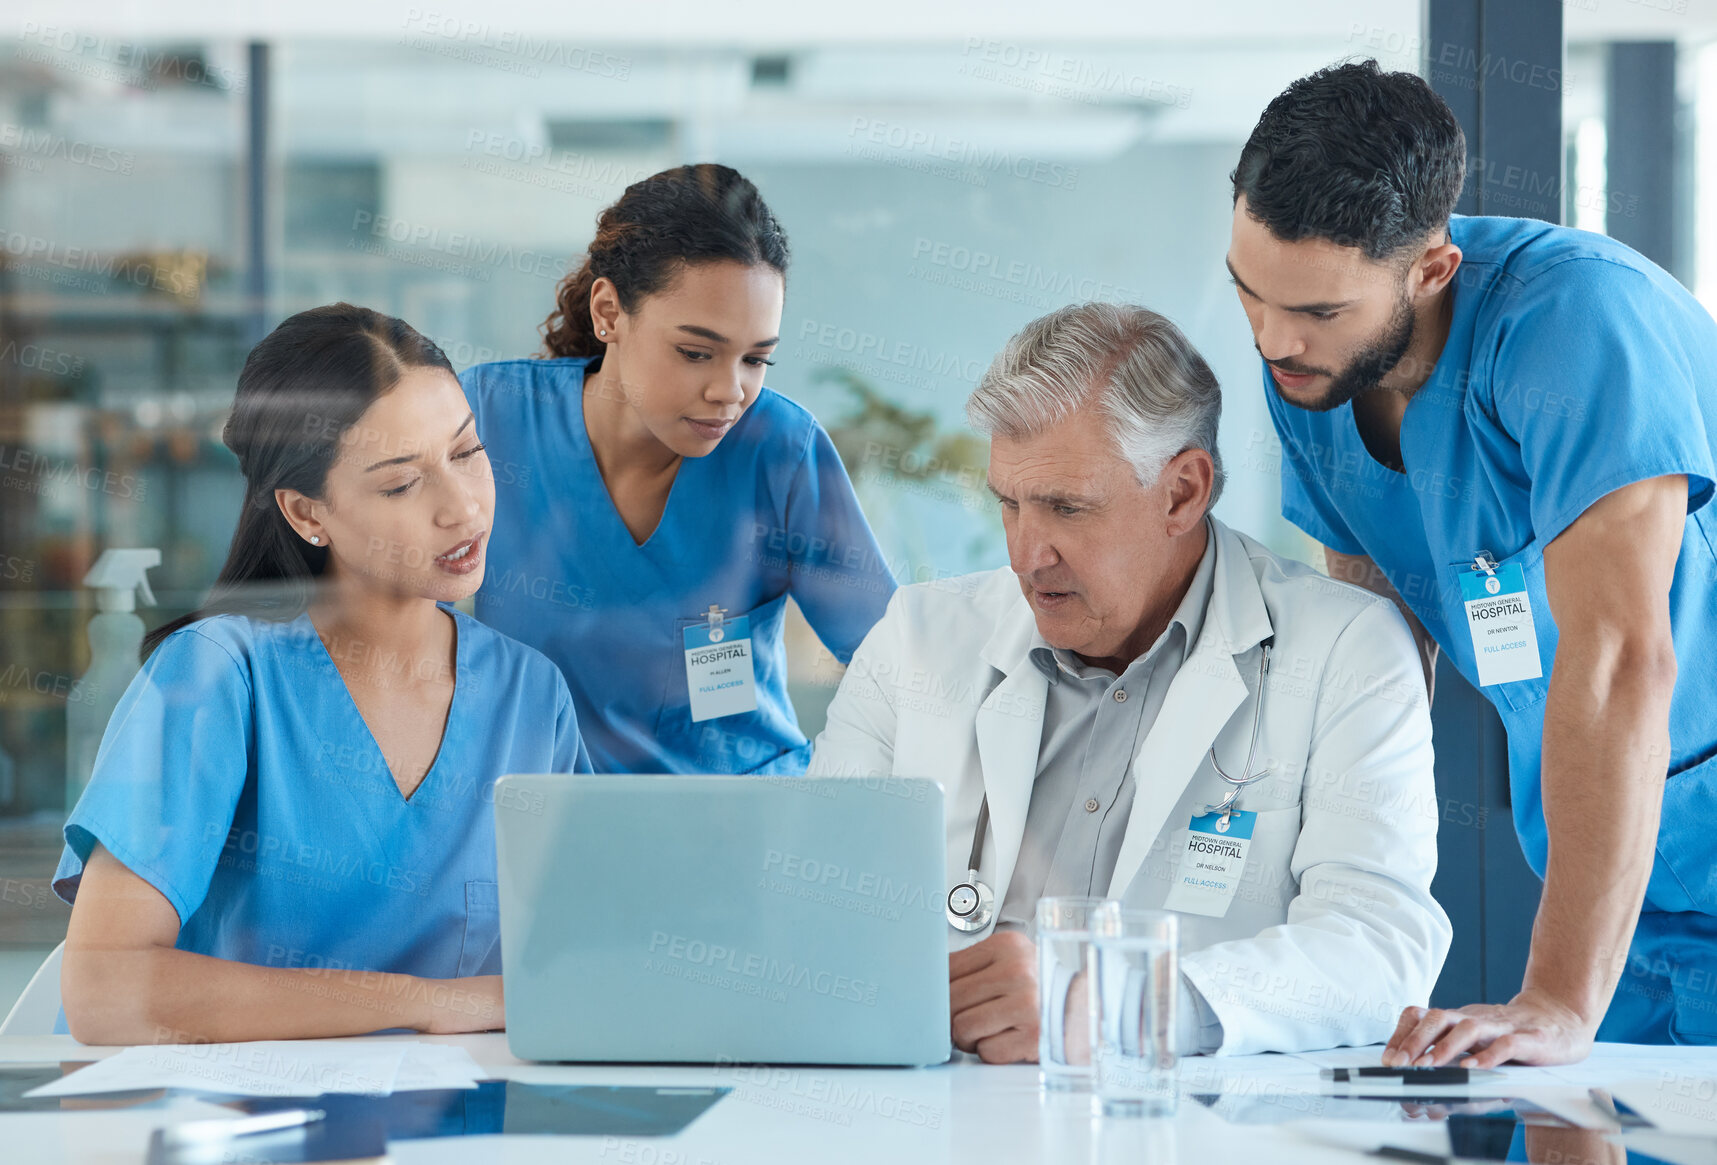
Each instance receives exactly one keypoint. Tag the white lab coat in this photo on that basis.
(1333, 929)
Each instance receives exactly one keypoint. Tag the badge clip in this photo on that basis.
(715, 615)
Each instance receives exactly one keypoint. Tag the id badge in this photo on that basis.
(1499, 616)
(1211, 863)
(718, 669)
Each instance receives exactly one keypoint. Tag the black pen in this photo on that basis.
(1446, 1075)
(1397, 1153)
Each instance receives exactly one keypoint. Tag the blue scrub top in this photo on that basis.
(769, 513)
(1573, 367)
(237, 777)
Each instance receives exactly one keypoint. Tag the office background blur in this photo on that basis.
(172, 187)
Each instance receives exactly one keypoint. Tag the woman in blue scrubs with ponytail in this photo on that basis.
(658, 504)
(290, 828)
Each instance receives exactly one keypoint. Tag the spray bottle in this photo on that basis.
(115, 641)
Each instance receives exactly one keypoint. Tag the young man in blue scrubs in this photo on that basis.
(1508, 427)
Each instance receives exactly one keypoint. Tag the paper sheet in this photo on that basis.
(436, 1066)
(1267, 1071)
(1616, 1063)
(1365, 1057)
(262, 1068)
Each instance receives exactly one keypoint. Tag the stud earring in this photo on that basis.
(602, 331)
(315, 540)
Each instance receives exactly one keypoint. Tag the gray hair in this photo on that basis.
(1157, 393)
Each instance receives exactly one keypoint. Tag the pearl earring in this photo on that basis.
(315, 539)
(602, 331)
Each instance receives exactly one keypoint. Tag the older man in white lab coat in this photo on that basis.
(1087, 693)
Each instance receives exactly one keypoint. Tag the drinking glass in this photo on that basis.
(1135, 979)
(1064, 1016)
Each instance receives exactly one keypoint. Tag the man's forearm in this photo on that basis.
(1606, 746)
(1607, 577)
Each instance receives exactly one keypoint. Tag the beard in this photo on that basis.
(1374, 360)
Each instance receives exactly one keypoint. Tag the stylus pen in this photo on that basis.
(205, 1132)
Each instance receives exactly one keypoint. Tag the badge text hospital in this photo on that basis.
(1499, 617)
(719, 673)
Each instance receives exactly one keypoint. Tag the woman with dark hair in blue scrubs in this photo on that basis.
(289, 831)
(658, 504)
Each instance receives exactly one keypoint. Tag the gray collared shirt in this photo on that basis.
(1093, 724)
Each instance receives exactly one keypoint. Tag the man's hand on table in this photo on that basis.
(992, 998)
(1532, 1028)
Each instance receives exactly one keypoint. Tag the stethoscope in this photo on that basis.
(1247, 776)
(971, 903)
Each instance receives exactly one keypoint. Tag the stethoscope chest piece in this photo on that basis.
(971, 904)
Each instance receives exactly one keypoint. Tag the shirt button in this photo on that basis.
(1091, 805)
(1120, 695)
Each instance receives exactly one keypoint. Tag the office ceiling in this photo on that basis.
(761, 24)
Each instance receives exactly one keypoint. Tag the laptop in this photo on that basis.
(723, 919)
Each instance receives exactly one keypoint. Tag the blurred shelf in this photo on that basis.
(75, 600)
(105, 312)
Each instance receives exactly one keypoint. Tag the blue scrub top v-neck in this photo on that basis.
(238, 778)
(1573, 367)
(769, 513)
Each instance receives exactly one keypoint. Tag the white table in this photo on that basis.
(961, 1112)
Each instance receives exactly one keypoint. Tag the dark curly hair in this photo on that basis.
(668, 221)
(1355, 155)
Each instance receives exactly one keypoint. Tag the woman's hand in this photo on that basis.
(456, 1006)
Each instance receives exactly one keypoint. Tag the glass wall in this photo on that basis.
(936, 199)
